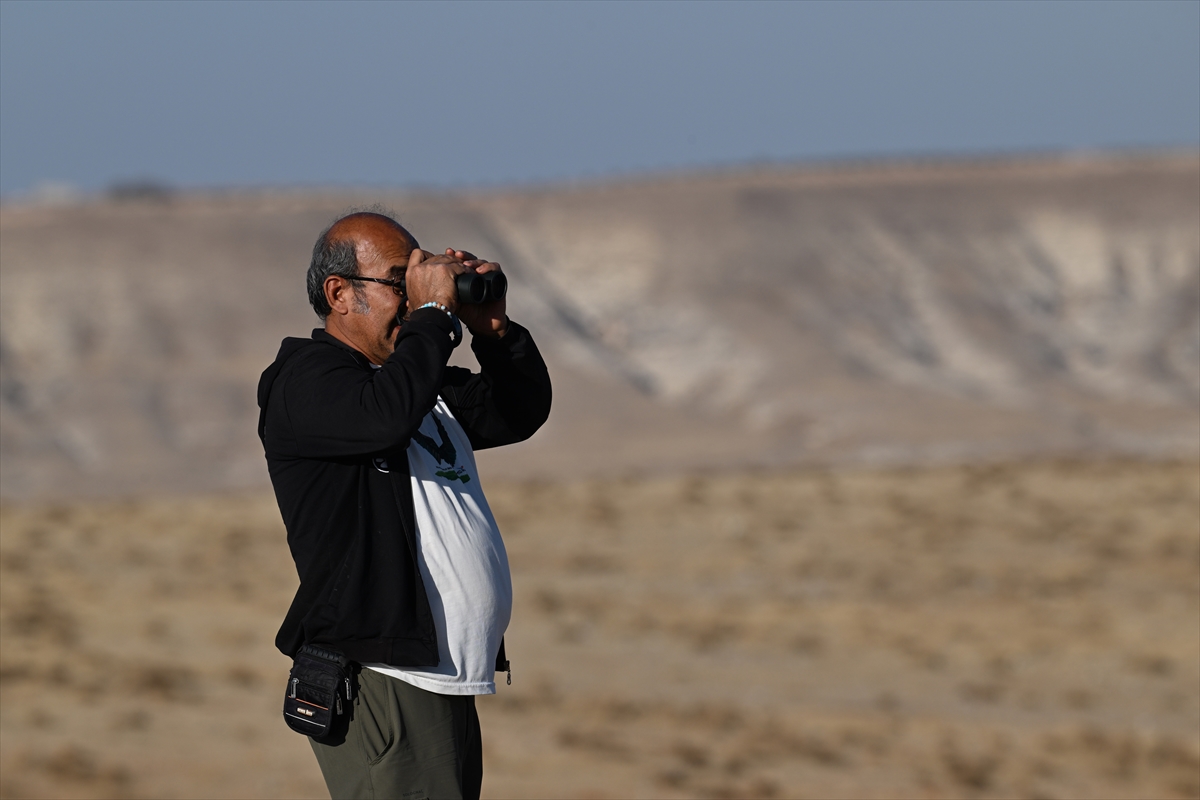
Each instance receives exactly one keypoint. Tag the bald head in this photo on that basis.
(356, 238)
(369, 228)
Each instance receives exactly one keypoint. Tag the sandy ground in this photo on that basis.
(1023, 630)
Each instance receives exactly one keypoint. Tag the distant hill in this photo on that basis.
(899, 313)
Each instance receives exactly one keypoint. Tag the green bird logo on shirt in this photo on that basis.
(444, 452)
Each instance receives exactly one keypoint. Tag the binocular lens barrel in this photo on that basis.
(474, 287)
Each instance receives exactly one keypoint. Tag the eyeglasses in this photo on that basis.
(397, 286)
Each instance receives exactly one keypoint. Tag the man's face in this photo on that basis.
(383, 252)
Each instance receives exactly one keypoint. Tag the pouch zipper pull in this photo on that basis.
(347, 688)
(506, 665)
(293, 692)
(339, 704)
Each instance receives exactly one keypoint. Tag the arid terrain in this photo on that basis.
(876, 480)
(882, 314)
(1021, 630)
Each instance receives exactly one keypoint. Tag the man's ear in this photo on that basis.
(337, 294)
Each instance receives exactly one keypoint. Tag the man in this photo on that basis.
(369, 438)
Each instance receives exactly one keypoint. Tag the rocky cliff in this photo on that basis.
(894, 312)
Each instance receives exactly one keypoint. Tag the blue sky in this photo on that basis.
(218, 94)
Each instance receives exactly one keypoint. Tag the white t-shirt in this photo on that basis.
(462, 560)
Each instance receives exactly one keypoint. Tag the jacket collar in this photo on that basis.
(322, 335)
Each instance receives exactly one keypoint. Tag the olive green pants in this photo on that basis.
(404, 743)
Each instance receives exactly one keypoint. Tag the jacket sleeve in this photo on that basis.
(509, 399)
(337, 409)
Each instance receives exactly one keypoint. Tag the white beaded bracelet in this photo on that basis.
(456, 334)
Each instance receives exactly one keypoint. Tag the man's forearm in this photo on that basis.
(510, 399)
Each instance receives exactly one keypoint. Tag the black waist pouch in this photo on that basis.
(318, 693)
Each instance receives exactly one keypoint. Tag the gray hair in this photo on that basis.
(329, 258)
(338, 258)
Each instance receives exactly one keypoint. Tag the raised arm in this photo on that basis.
(335, 407)
(509, 399)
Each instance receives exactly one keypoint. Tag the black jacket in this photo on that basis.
(326, 416)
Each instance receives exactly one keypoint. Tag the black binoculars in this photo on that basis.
(476, 287)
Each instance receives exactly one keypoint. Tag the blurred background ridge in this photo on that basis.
(887, 312)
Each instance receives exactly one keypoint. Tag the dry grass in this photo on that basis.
(1007, 631)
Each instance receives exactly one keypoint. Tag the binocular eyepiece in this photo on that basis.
(476, 287)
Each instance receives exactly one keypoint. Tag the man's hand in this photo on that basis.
(430, 279)
(484, 319)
